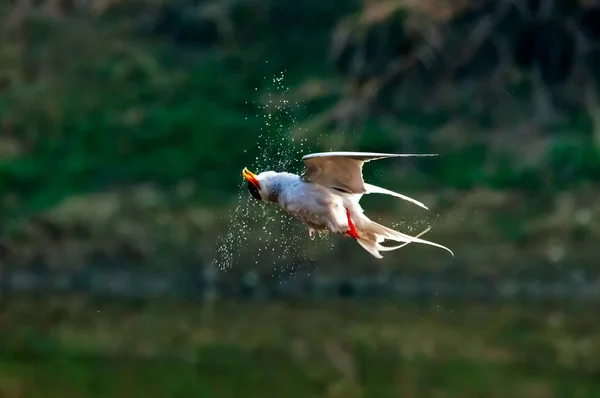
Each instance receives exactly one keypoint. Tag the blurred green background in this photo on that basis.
(133, 264)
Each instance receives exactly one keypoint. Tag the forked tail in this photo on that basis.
(372, 234)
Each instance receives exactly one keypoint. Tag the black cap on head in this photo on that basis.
(254, 191)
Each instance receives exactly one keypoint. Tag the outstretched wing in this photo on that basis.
(343, 171)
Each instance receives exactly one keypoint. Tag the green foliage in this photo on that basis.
(105, 102)
(119, 108)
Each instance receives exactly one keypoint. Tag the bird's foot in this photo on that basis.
(352, 231)
(311, 233)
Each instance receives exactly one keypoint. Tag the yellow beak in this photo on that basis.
(250, 177)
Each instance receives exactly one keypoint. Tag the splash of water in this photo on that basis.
(262, 233)
(272, 237)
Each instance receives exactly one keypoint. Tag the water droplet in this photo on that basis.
(281, 239)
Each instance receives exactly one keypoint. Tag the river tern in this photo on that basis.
(325, 198)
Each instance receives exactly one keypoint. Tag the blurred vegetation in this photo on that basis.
(124, 124)
(123, 129)
(89, 348)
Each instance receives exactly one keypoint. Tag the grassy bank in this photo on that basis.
(345, 349)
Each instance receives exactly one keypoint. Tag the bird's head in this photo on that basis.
(261, 186)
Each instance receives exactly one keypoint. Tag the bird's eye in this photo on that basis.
(254, 191)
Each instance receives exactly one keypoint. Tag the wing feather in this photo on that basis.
(343, 171)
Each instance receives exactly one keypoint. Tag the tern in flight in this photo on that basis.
(326, 198)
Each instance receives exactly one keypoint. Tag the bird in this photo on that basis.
(325, 198)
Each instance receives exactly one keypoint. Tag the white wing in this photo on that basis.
(343, 171)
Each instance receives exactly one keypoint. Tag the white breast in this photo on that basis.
(316, 206)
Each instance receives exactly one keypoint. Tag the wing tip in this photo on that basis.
(370, 188)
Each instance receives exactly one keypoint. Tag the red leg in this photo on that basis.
(352, 230)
